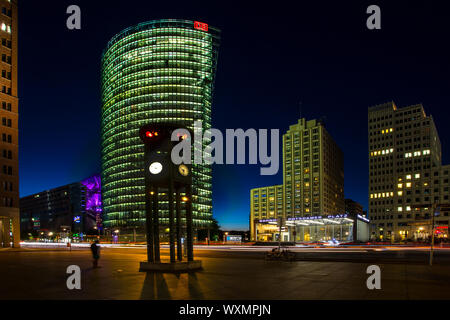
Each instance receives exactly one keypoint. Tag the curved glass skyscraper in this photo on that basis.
(159, 71)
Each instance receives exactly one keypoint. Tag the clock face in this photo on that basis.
(184, 171)
(155, 168)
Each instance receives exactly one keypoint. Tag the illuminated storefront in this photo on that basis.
(341, 228)
(160, 71)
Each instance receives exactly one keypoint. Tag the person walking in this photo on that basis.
(95, 248)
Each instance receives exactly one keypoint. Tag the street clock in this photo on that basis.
(155, 167)
(183, 170)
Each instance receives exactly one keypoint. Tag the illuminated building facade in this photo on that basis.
(9, 113)
(158, 72)
(74, 209)
(406, 175)
(311, 199)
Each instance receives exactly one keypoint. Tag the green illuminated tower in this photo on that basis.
(159, 71)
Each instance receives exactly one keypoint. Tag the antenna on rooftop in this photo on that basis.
(300, 108)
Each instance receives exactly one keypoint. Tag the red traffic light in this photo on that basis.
(151, 134)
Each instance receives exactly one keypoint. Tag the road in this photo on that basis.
(227, 274)
(374, 254)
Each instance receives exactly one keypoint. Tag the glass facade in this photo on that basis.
(160, 71)
(342, 228)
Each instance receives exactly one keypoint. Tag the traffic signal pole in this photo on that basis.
(149, 218)
(171, 222)
(178, 230)
(161, 172)
(432, 233)
(156, 225)
(189, 240)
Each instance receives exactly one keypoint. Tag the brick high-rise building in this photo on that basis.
(353, 207)
(313, 170)
(9, 165)
(406, 176)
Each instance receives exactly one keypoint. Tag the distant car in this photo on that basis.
(331, 243)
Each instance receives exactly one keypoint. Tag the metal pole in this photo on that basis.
(432, 233)
(190, 245)
(171, 223)
(156, 225)
(178, 214)
(279, 234)
(149, 224)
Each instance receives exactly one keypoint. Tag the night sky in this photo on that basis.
(272, 56)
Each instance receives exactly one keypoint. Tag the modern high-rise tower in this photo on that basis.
(159, 71)
(9, 143)
(406, 175)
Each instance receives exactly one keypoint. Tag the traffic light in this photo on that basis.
(154, 136)
(159, 167)
(162, 172)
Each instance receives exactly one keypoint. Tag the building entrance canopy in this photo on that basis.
(317, 228)
(316, 220)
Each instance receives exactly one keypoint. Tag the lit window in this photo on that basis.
(417, 176)
(400, 185)
(399, 209)
(408, 208)
(408, 184)
(400, 193)
(408, 177)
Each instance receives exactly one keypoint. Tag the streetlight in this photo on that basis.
(117, 234)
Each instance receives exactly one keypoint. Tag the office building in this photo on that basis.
(406, 175)
(354, 207)
(73, 210)
(265, 203)
(310, 203)
(160, 71)
(313, 171)
(9, 113)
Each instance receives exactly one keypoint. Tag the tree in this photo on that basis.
(213, 231)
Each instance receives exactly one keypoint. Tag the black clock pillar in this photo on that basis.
(162, 176)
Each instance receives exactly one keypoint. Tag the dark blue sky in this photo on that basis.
(271, 57)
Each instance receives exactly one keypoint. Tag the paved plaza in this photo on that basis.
(41, 274)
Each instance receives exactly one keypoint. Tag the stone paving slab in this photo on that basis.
(42, 275)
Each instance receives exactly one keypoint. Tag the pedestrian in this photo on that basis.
(95, 248)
